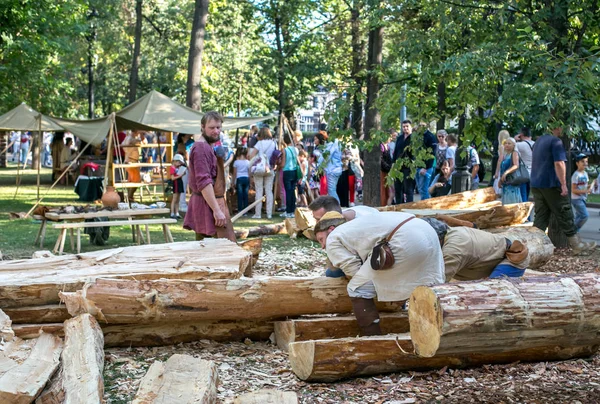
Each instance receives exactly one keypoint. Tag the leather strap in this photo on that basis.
(389, 237)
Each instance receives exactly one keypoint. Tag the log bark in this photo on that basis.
(53, 393)
(296, 330)
(462, 200)
(266, 396)
(494, 315)
(216, 258)
(540, 247)
(6, 331)
(53, 313)
(321, 361)
(181, 379)
(119, 301)
(126, 335)
(266, 230)
(25, 381)
(83, 361)
(304, 218)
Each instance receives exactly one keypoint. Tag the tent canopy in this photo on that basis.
(92, 131)
(25, 118)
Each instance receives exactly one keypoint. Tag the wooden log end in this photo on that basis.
(302, 356)
(425, 319)
(285, 332)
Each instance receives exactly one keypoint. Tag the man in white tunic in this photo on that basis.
(415, 247)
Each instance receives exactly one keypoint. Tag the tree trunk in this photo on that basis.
(26, 380)
(371, 194)
(490, 316)
(181, 379)
(135, 60)
(194, 93)
(83, 361)
(290, 331)
(330, 360)
(463, 200)
(358, 53)
(187, 260)
(267, 397)
(264, 230)
(441, 105)
(239, 299)
(35, 149)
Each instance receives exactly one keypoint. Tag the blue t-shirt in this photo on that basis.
(547, 150)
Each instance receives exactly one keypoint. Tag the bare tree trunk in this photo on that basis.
(441, 105)
(194, 95)
(358, 50)
(35, 149)
(371, 194)
(280, 67)
(135, 62)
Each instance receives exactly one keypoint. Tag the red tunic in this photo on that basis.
(202, 170)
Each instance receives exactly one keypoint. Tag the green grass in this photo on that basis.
(17, 236)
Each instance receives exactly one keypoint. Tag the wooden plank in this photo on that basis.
(26, 380)
(83, 361)
(36, 282)
(266, 396)
(493, 315)
(305, 329)
(257, 298)
(182, 379)
(111, 214)
(111, 223)
(335, 359)
(52, 313)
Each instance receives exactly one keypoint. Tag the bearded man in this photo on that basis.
(205, 215)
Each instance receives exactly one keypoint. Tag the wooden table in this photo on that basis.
(80, 217)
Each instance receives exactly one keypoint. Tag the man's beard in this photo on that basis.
(209, 140)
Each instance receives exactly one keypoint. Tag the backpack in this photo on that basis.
(261, 166)
(275, 159)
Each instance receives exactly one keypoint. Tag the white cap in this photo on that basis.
(178, 157)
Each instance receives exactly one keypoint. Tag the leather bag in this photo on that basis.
(382, 256)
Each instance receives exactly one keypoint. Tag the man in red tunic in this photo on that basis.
(204, 213)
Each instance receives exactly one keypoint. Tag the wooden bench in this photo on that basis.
(135, 225)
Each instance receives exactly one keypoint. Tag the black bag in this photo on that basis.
(521, 176)
(386, 161)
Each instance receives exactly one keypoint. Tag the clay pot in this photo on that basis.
(111, 198)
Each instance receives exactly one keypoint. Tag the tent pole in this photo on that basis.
(160, 166)
(108, 171)
(39, 162)
(58, 179)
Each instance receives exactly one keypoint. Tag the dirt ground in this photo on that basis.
(250, 366)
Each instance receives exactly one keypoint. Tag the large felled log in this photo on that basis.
(462, 200)
(211, 258)
(26, 380)
(6, 331)
(304, 218)
(265, 230)
(267, 397)
(335, 359)
(119, 301)
(83, 361)
(540, 247)
(52, 313)
(125, 335)
(306, 329)
(182, 379)
(492, 316)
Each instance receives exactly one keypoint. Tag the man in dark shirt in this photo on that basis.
(405, 189)
(549, 189)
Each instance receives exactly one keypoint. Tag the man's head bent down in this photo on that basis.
(324, 204)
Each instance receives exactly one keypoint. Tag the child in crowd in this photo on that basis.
(177, 172)
(303, 182)
(580, 188)
(241, 180)
(313, 177)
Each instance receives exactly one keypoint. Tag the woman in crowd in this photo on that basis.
(386, 192)
(502, 136)
(440, 154)
(290, 179)
(330, 161)
(263, 182)
(508, 165)
(442, 183)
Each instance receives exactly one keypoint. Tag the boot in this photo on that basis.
(578, 246)
(517, 252)
(367, 316)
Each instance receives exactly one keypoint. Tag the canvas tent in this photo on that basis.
(25, 118)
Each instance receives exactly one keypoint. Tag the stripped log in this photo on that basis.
(52, 313)
(182, 379)
(504, 215)
(462, 200)
(26, 380)
(265, 230)
(266, 396)
(334, 359)
(304, 218)
(492, 316)
(6, 331)
(83, 361)
(540, 247)
(305, 329)
(125, 335)
(120, 301)
(211, 258)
